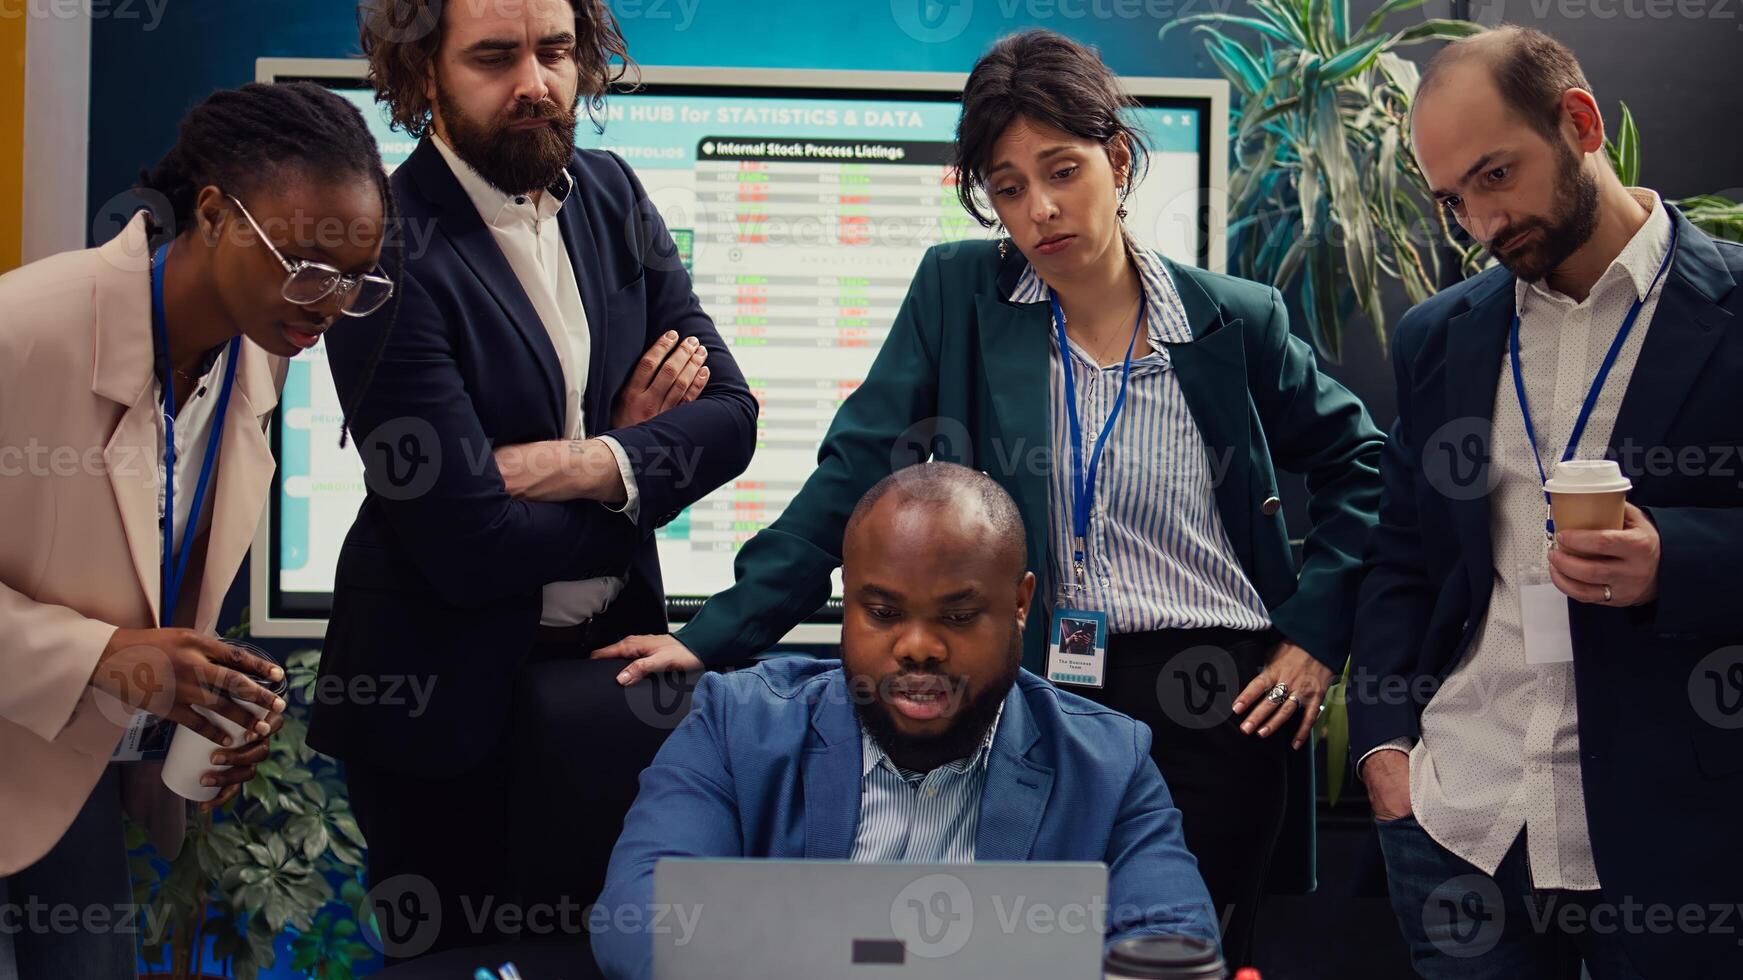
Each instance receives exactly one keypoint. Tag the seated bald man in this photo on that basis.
(823, 759)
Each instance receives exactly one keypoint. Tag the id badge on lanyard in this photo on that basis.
(1077, 634)
(146, 737)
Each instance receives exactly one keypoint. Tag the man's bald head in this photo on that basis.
(935, 604)
(951, 495)
(1529, 69)
(1510, 141)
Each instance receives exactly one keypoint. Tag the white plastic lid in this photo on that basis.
(1587, 476)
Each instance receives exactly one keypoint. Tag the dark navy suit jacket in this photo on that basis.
(767, 764)
(1659, 699)
(440, 577)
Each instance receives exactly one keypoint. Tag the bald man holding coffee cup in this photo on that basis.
(1546, 677)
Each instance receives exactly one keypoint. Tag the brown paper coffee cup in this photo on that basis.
(1587, 495)
(1588, 511)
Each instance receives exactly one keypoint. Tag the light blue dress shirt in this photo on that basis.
(929, 817)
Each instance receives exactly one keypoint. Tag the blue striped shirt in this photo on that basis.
(930, 817)
(1156, 555)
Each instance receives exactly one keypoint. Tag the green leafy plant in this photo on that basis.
(1324, 195)
(328, 950)
(263, 865)
(1714, 214)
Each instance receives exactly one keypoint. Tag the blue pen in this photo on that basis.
(483, 974)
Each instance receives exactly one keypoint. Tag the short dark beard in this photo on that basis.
(513, 161)
(1572, 219)
(961, 740)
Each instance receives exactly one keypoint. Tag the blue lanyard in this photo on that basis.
(175, 566)
(1573, 442)
(1083, 485)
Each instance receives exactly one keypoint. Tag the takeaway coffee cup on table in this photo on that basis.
(1587, 495)
(190, 753)
(1163, 958)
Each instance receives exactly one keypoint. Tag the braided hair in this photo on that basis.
(241, 138)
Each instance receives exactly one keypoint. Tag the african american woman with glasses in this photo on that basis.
(136, 380)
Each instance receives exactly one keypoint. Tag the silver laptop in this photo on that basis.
(772, 919)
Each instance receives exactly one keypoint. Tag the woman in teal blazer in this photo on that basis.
(1215, 625)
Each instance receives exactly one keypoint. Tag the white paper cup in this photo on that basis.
(190, 753)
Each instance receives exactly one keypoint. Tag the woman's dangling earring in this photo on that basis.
(1121, 213)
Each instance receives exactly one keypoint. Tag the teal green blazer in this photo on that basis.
(964, 377)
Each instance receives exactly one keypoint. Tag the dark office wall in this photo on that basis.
(1679, 66)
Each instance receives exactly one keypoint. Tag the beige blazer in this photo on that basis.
(79, 540)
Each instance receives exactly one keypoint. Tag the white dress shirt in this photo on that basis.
(195, 422)
(1500, 741)
(533, 245)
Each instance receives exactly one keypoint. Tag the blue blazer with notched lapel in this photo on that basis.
(442, 572)
(767, 764)
(963, 377)
(1660, 710)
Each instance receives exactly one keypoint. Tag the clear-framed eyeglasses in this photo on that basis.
(307, 283)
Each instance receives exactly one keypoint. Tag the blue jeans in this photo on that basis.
(1464, 924)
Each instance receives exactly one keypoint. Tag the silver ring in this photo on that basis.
(1321, 708)
(1278, 694)
(1607, 595)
